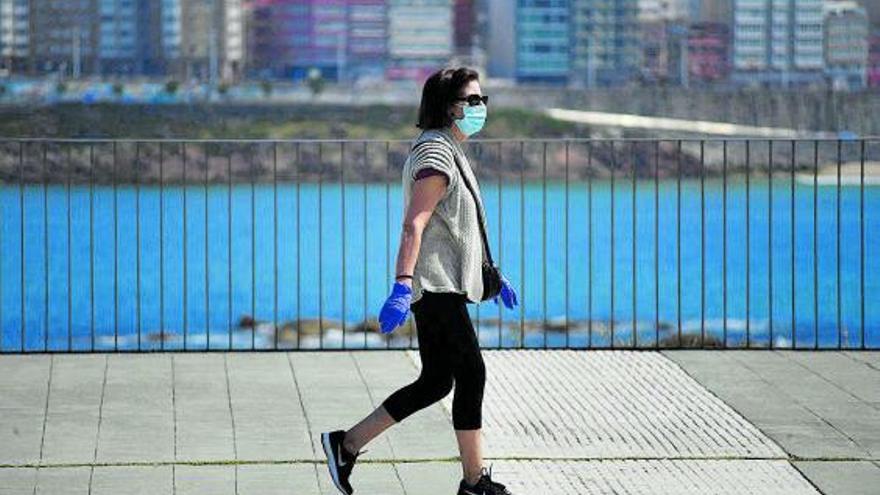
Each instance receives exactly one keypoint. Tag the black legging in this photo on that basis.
(449, 350)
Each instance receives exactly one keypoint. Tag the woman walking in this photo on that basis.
(443, 263)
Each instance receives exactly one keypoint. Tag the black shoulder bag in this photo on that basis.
(491, 274)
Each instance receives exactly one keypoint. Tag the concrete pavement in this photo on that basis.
(554, 422)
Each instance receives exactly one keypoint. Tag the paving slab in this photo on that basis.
(24, 381)
(74, 409)
(15, 481)
(137, 415)
(269, 419)
(63, 481)
(207, 480)
(842, 477)
(201, 401)
(133, 480)
(279, 479)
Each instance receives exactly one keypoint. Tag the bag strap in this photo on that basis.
(477, 203)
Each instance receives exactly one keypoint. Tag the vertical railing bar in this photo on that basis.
(702, 243)
(21, 239)
(46, 251)
(320, 248)
(567, 316)
(724, 241)
(839, 326)
(91, 244)
(162, 333)
(298, 256)
(275, 240)
(207, 254)
(185, 251)
(342, 225)
(137, 230)
(815, 245)
(748, 245)
(590, 245)
(387, 221)
(611, 250)
(522, 270)
(544, 243)
(635, 287)
(253, 175)
(657, 244)
(115, 256)
(770, 238)
(2, 227)
(366, 278)
(793, 242)
(500, 237)
(678, 240)
(229, 246)
(69, 259)
(862, 242)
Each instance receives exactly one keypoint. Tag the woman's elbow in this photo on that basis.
(413, 227)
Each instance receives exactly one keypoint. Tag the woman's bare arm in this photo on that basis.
(426, 193)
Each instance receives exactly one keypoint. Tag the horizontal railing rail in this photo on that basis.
(131, 245)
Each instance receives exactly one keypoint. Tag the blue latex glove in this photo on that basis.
(508, 295)
(396, 307)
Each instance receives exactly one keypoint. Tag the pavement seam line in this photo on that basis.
(804, 475)
(100, 416)
(174, 422)
(231, 415)
(270, 462)
(302, 406)
(45, 421)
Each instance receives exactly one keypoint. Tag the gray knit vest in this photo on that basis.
(451, 251)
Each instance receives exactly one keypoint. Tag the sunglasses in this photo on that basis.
(474, 100)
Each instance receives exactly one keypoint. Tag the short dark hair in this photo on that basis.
(439, 94)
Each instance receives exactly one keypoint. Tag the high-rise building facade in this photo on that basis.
(873, 70)
(367, 33)
(846, 44)
(420, 37)
(778, 42)
(211, 38)
(14, 35)
(543, 41)
(291, 37)
(708, 52)
(605, 42)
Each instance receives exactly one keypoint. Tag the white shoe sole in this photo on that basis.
(331, 461)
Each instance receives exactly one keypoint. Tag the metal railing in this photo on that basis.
(146, 245)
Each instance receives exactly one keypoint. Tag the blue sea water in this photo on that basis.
(566, 250)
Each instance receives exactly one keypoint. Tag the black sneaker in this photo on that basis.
(339, 460)
(484, 486)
